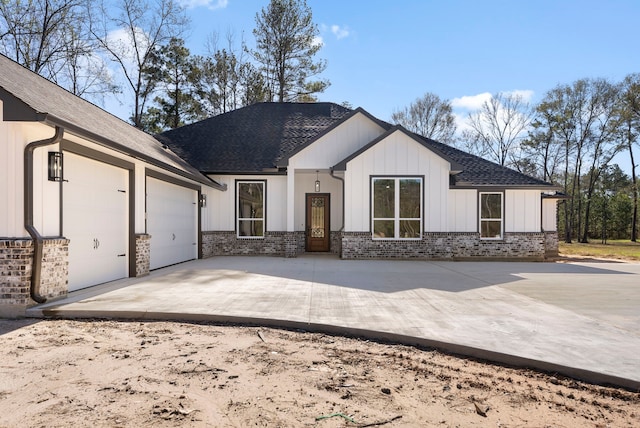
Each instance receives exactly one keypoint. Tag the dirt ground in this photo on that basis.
(61, 373)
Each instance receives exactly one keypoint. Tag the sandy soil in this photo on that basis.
(165, 374)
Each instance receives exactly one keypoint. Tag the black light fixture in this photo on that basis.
(317, 182)
(55, 166)
(203, 200)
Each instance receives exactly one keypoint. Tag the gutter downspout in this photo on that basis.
(342, 180)
(38, 241)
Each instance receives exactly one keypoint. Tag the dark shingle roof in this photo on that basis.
(252, 138)
(263, 136)
(30, 97)
(477, 172)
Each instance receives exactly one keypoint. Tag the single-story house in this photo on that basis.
(88, 198)
(319, 177)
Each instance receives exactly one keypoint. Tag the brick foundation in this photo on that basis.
(283, 244)
(143, 254)
(447, 246)
(16, 261)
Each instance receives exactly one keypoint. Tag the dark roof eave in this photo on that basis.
(542, 187)
(103, 141)
(235, 172)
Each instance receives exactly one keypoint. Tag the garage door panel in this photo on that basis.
(172, 218)
(95, 220)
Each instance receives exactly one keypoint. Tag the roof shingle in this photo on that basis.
(252, 138)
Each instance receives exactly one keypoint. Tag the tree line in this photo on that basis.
(136, 48)
(569, 138)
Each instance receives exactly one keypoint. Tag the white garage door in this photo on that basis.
(172, 222)
(95, 220)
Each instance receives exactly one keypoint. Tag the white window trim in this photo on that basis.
(397, 219)
(481, 219)
(264, 209)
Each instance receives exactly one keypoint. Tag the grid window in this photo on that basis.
(491, 215)
(397, 207)
(250, 209)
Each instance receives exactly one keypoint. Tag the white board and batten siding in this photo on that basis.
(221, 206)
(463, 210)
(396, 155)
(337, 144)
(96, 221)
(14, 137)
(522, 211)
(172, 222)
(549, 215)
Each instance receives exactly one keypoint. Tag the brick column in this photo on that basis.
(16, 261)
(143, 254)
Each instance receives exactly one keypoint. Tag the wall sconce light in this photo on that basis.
(203, 200)
(55, 166)
(317, 182)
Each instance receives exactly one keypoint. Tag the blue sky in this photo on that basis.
(383, 54)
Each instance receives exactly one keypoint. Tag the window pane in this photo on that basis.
(250, 200)
(409, 228)
(491, 206)
(250, 228)
(490, 229)
(384, 198)
(410, 198)
(383, 229)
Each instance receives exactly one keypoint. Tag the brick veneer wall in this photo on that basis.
(220, 243)
(143, 254)
(551, 244)
(16, 260)
(445, 245)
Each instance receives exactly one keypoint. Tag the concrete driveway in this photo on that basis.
(577, 319)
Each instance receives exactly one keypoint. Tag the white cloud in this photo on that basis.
(470, 102)
(209, 4)
(340, 32)
(474, 102)
(525, 94)
(317, 41)
(121, 41)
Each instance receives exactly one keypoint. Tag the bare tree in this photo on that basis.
(429, 116)
(286, 42)
(542, 148)
(581, 118)
(629, 117)
(499, 126)
(129, 32)
(602, 143)
(52, 38)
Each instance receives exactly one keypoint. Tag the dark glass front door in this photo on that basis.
(318, 232)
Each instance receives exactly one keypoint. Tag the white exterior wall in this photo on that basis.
(14, 137)
(221, 206)
(338, 144)
(463, 210)
(522, 211)
(549, 215)
(396, 155)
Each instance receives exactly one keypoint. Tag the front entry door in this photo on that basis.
(318, 232)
